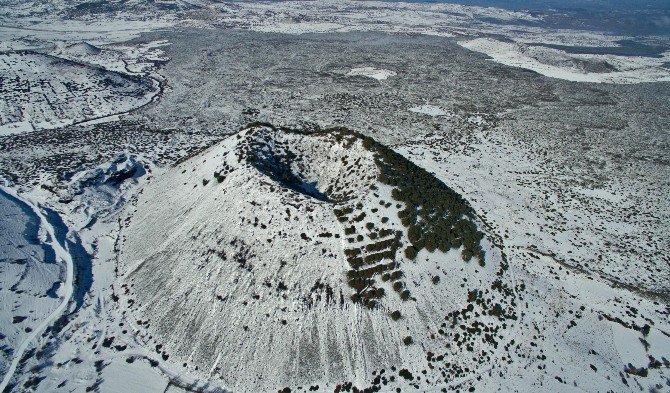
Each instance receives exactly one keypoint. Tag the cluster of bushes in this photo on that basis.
(361, 277)
(341, 214)
(360, 217)
(369, 298)
(382, 245)
(393, 276)
(362, 281)
(371, 271)
(220, 176)
(380, 256)
(352, 252)
(436, 216)
(365, 265)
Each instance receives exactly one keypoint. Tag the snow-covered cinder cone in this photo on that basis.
(280, 258)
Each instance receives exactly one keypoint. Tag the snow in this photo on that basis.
(628, 345)
(600, 193)
(430, 110)
(46, 92)
(476, 24)
(301, 28)
(63, 256)
(487, 174)
(156, 241)
(629, 69)
(82, 49)
(28, 274)
(122, 377)
(160, 228)
(23, 35)
(371, 72)
(17, 127)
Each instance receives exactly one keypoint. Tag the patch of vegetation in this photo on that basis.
(436, 216)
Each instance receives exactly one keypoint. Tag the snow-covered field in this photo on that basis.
(32, 280)
(571, 303)
(44, 92)
(372, 72)
(479, 28)
(559, 64)
(147, 244)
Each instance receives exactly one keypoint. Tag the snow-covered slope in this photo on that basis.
(278, 259)
(82, 48)
(30, 280)
(44, 92)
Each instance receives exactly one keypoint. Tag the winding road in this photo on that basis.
(62, 255)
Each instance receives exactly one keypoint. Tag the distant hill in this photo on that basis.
(82, 49)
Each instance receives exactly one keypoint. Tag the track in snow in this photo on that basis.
(62, 254)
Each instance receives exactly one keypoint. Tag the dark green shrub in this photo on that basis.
(352, 252)
(381, 245)
(386, 232)
(466, 254)
(395, 315)
(356, 262)
(407, 340)
(411, 252)
(414, 233)
(431, 244)
(497, 310)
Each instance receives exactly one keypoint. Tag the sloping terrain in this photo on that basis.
(43, 92)
(30, 278)
(279, 259)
